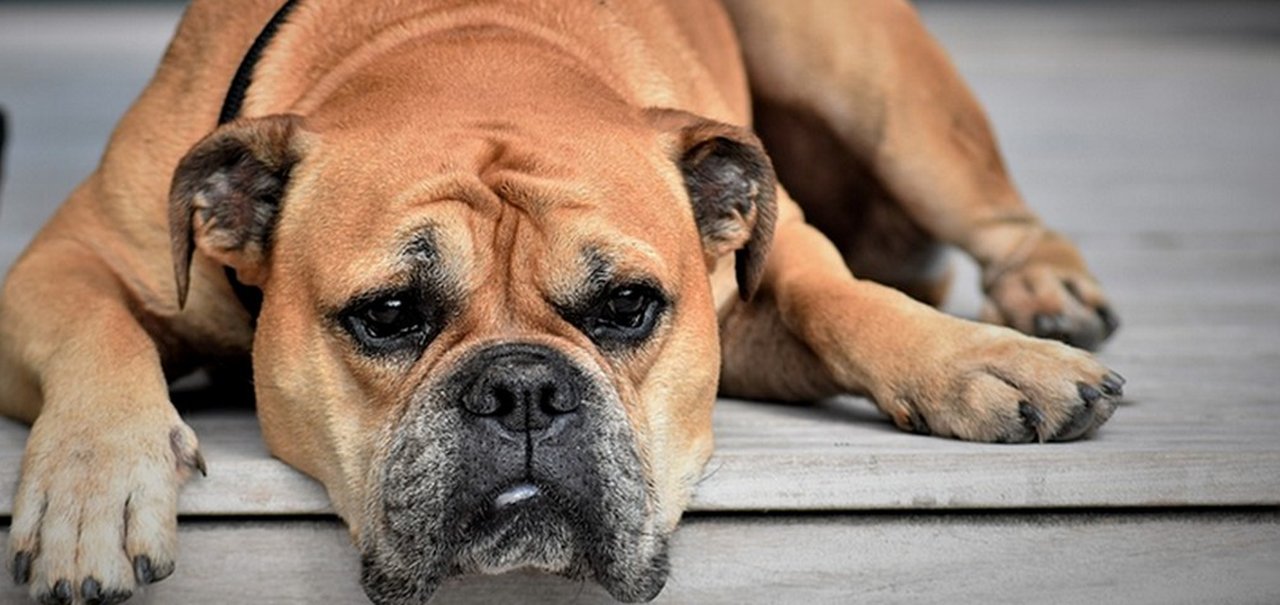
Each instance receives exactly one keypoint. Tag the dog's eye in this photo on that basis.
(626, 315)
(388, 323)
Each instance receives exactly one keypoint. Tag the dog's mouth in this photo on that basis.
(526, 525)
(466, 493)
(536, 526)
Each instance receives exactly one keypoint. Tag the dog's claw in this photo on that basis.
(91, 591)
(60, 595)
(1110, 322)
(1033, 418)
(1089, 394)
(22, 568)
(1113, 384)
(1048, 326)
(142, 570)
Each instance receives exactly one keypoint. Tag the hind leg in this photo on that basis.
(843, 199)
(869, 74)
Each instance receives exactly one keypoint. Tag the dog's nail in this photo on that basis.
(1043, 325)
(1089, 394)
(1113, 385)
(919, 424)
(91, 591)
(1110, 322)
(200, 465)
(142, 569)
(61, 593)
(22, 568)
(1032, 417)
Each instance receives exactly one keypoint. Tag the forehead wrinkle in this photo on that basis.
(459, 186)
(537, 195)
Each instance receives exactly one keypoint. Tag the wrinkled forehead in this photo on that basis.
(359, 216)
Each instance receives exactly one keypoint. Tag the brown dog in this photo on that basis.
(481, 255)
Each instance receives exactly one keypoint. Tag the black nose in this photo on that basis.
(523, 389)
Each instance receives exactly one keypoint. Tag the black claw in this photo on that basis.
(920, 425)
(91, 591)
(142, 570)
(1044, 325)
(200, 465)
(22, 568)
(1089, 394)
(1110, 322)
(1113, 385)
(1031, 417)
(1054, 327)
(60, 595)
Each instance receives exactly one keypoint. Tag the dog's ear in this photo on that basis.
(731, 185)
(226, 194)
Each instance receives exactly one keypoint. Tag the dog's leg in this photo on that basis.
(826, 332)
(843, 199)
(95, 512)
(870, 73)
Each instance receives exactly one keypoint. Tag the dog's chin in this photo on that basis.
(535, 532)
(527, 526)
(509, 534)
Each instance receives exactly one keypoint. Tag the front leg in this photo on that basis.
(931, 373)
(95, 514)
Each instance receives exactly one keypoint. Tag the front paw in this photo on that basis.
(1044, 289)
(996, 385)
(95, 516)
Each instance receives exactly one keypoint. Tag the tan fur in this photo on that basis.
(524, 131)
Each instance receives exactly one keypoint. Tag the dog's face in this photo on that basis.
(496, 346)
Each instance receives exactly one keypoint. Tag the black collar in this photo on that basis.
(250, 297)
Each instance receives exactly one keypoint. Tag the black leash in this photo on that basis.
(250, 297)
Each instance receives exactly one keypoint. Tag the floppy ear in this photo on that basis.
(226, 194)
(732, 187)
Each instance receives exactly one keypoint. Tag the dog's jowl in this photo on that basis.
(492, 262)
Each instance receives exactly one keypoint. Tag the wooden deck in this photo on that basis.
(1150, 133)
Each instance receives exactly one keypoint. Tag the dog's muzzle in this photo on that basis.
(518, 458)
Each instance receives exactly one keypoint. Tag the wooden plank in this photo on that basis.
(920, 559)
(1163, 449)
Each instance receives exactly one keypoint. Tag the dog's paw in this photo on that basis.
(1046, 291)
(996, 385)
(95, 516)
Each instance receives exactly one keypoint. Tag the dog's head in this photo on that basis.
(492, 339)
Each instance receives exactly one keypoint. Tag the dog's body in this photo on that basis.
(493, 245)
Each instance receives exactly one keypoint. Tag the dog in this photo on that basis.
(493, 260)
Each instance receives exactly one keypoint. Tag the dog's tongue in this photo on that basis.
(515, 495)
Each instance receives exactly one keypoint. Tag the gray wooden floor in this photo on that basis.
(1150, 133)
